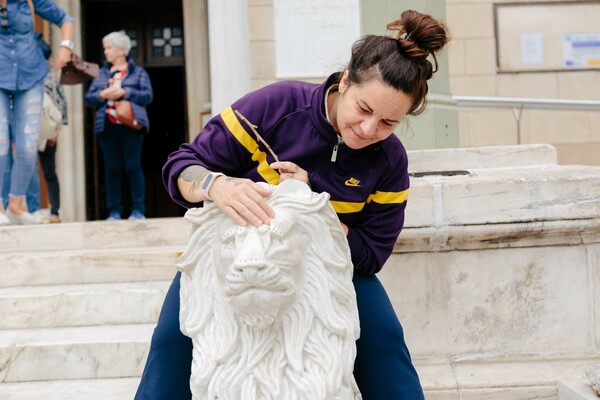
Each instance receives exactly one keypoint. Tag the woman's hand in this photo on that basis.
(289, 170)
(112, 93)
(64, 54)
(242, 199)
(63, 57)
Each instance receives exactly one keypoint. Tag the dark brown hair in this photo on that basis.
(401, 61)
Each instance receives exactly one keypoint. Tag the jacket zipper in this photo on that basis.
(336, 148)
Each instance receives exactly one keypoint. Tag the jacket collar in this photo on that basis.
(317, 108)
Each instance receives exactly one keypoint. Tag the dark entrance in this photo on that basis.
(156, 30)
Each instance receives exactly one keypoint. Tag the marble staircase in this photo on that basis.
(78, 303)
(496, 279)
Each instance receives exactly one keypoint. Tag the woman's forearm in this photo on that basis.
(190, 183)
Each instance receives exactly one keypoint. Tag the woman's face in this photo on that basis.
(112, 53)
(369, 112)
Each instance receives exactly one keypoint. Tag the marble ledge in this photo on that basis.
(576, 388)
(453, 375)
(499, 236)
(481, 157)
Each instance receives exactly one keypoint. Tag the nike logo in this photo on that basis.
(352, 182)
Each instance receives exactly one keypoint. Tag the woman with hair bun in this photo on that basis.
(338, 137)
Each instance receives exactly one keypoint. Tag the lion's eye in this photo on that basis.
(276, 240)
(229, 243)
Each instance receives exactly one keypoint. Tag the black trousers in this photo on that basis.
(48, 161)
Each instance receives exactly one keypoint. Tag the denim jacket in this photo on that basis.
(21, 60)
(138, 90)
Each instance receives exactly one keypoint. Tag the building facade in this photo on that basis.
(218, 50)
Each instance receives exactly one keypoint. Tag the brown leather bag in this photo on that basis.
(125, 114)
(78, 71)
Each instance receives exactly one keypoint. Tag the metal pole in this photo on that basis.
(517, 113)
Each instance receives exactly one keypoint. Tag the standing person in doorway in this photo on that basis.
(337, 136)
(21, 91)
(47, 154)
(121, 145)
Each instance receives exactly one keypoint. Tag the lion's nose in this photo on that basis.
(251, 256)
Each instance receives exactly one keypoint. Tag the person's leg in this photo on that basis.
(111, 152)
(32, 195)
(132, 144)
(168, 368)
(6, 178)
(48, 161)
(27, 107)
(5, 149)
(383, 368)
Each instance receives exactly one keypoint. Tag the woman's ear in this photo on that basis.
(343, 85)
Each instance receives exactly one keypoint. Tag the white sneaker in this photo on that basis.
(4, 220)
(43, 215)
(25, 218)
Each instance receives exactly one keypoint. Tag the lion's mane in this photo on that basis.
(313, 357)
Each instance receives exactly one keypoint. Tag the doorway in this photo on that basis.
(156, 31)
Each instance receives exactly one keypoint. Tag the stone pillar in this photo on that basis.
(197, 69)
(437, 127)
(229, 43)
(70, 159)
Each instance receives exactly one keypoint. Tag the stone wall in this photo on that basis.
(473, 72)
(503, 261)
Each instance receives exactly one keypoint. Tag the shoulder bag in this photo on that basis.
(125, 115)
(51, 121)
(39, 39)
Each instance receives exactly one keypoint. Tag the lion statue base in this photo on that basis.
(271, 310)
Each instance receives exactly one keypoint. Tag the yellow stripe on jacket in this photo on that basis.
(238, 131)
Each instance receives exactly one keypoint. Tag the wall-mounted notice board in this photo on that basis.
(547, 36)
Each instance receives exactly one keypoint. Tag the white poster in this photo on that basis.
(313, 37)
(582, 50)
(532, 48)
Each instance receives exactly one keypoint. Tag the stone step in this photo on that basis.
(27, 268)
(81, 305)
(499, 378)
(150, 232)
(111, 351)
(84, 389)
(441, 380)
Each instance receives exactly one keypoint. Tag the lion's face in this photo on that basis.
(272, 310)
(260, 269)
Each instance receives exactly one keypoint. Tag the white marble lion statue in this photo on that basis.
(271, 310)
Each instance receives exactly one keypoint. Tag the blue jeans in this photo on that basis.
(122, 149)
(20, 112)
(33, 189)
(383, 368)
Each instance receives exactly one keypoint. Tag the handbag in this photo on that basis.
(51, 121)
(125, 115)
(78, 71)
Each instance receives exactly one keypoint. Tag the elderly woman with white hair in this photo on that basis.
(121, 142)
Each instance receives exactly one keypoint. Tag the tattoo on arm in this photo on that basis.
(194, 174)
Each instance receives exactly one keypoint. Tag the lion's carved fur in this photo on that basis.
(282, 328)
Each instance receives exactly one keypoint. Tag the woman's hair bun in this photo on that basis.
(419, 35)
